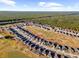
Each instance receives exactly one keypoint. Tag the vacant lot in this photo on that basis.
(15, 49)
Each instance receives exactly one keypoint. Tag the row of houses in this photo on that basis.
(56, 29)
(60, 30)
(67, 32)
(35, 47)
(48, 43)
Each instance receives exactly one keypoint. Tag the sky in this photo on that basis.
(39, 5)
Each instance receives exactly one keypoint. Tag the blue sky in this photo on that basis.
(39, 5)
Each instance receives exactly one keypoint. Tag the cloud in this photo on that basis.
(8, 2)
(49, 4)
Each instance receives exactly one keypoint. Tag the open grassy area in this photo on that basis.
(15, 49)
(5, 15)
(6, 49)
(55, 37)
(68, 20)
(13, 54)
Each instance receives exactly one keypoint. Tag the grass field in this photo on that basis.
(15, 49)
(13, 54)
(4, 15)
(6, 49)
(68, 20)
